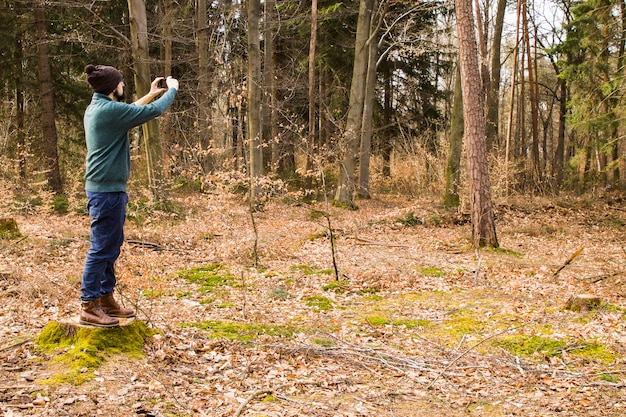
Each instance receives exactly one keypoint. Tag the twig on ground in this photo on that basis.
(477, 273)
(569, 261)
(17, 344)
(331, 231)
(251, 397)
(13, 243)
(366, 242)
(14, 387)
(243, 289)
(144, 244)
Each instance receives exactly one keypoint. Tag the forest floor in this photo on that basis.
(417, 324)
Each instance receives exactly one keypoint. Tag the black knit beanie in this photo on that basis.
(103, 78)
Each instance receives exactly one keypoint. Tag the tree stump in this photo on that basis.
(83, 348)
(582, 302)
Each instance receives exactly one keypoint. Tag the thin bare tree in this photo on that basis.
(48, 123)
(254, 99)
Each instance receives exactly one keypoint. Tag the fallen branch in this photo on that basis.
(468, 350)
(603, 277)
(364, 242)
(144, 244)
(14, 345)
(251, 397)
(15, 387)
(569, 261)
(13, 243)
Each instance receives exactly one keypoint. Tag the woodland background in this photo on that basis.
(262, 294)
(551, 76)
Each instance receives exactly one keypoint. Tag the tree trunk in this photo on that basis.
(204, 86)
(368, 113)
(386, 145)
(48, 124)
(559, 156)
(168, 24)
(21, 144)
(483, 225)
(141, 65)
(351, 137)
(312, 101)
(620, 146)
(254, 99)
(270, 128)
(453, 168)
(493, 94)
(535, 165)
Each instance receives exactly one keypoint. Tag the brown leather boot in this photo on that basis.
(113, 309)
(93, 315)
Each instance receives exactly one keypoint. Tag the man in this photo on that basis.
(107, 122)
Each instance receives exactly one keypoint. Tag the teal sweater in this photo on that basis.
(107, 123)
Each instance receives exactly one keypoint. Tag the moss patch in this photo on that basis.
(432, 272)
(409, 324)
(241, 331)
(319, 302)
(409, 220)
(327, 343)
(82, 350)
(311, 270)
(9, 229)
(338, 287)
(532, 345)
(208, 277)
(503, 251)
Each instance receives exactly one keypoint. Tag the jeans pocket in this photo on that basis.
(115, 200)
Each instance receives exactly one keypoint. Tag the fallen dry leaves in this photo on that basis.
(412, 331)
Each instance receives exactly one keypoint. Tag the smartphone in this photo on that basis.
(162, 83)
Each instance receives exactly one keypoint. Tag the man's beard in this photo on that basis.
(119, 97)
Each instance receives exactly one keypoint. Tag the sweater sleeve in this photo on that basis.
(131, 115)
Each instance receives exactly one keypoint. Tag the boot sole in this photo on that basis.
(86, 323)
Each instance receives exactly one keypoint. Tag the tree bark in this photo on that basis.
(483, 225)
(46, 89)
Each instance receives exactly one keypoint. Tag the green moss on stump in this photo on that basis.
(82, 350)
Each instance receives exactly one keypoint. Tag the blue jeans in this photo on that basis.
(108, 213)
